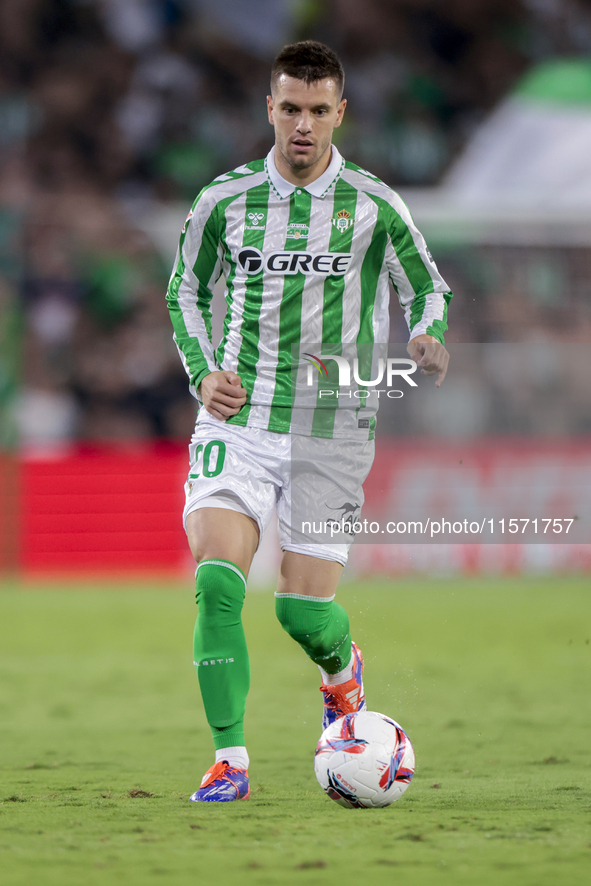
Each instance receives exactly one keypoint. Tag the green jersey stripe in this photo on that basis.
(317, 242)
(290, 314)
(341, 238)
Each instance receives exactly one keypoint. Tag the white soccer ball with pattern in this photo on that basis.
(364, 760)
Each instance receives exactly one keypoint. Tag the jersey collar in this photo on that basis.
(318, 188)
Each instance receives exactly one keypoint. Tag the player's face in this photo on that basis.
(304, 116)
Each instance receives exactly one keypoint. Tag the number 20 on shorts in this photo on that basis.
(212, 457)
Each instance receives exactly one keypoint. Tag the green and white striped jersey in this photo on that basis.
(302, 265)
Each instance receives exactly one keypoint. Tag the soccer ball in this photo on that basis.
(364, 760)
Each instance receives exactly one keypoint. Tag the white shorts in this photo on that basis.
(314, 484)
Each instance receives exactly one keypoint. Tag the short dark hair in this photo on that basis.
(309, 61)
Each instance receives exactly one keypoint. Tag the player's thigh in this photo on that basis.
(308, 576)
(230, 493)
(222, 534)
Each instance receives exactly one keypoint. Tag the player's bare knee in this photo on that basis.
(308, 576)
(220, 534)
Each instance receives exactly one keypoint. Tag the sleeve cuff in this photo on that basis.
(198, 378)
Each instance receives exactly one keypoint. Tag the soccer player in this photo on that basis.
(308, 244)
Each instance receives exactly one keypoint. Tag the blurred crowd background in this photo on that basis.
(111, 110)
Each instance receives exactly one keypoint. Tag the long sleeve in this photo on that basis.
(423, 293)
(197, 266)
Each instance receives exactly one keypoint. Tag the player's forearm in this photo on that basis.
(189, 308)
(427, 315)
(192, 336)
(190, 291)
(196, 364)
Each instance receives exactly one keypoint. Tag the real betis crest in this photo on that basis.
(343, 220)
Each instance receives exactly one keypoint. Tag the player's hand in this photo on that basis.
(222, 394)
(430, 355)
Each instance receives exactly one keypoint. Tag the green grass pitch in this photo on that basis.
(103, 740)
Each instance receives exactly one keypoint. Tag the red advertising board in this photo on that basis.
(99, 510)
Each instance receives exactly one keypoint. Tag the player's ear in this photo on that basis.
(270, 109)
(340, 112)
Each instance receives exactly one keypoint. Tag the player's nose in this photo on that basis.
(304, 123)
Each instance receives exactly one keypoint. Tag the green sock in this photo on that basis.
(219, 650)
(320, 626)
